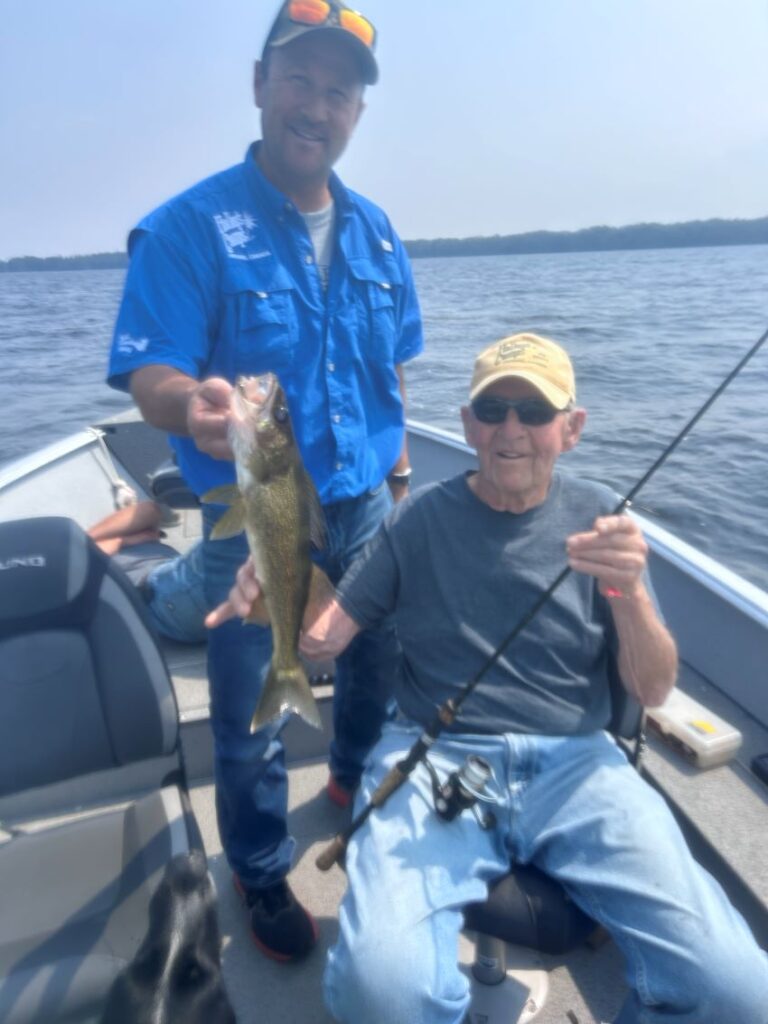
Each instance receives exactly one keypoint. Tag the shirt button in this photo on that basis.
(309, 259)
(337, 418)
(331, 367)
(339, 466)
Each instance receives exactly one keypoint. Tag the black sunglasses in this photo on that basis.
(532, 412)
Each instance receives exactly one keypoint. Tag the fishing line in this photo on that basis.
(447, 712)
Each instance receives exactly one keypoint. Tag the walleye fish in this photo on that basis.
(275, 502)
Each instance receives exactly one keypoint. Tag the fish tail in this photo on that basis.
(286, 689)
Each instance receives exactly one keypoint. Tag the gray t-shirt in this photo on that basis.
(458, 575)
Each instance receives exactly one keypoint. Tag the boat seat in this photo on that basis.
(93, 795)
(528, 908)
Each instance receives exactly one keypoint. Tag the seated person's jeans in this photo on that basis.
(176, 597)
(576, 809)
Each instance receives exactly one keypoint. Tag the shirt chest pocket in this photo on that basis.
(376, 289)
(265, 322)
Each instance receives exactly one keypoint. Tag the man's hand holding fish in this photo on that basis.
(208, 414)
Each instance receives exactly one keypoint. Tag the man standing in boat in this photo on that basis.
(457, 564)
(275, 266)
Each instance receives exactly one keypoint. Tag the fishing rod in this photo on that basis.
(447, 713)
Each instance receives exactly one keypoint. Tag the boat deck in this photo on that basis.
(587, 982)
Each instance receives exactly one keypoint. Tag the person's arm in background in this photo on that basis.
(133, 524)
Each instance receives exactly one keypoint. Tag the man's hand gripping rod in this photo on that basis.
(448, 712)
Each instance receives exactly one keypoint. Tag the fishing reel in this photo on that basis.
(463, 789)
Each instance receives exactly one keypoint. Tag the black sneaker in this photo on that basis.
(281, 928)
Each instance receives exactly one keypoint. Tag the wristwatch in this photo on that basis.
(402, 477)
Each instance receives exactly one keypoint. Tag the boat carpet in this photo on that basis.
(138, 447)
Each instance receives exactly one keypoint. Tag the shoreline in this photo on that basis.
(646, 237)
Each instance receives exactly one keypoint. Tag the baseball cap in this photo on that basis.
(541, 362)
(297, 17)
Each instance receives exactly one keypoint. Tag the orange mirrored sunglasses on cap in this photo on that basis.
(318, 12)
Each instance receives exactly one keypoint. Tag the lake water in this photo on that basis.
(651, 334)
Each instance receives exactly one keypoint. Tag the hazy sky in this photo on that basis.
(490, 117)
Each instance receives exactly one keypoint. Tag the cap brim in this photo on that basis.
(554, 395)
(363, 53)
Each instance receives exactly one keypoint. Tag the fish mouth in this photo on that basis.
(252, 400)
(258, 403)
(256, 391)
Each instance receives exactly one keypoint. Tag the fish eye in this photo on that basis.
(281, 413)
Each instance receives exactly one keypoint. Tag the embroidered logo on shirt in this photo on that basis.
(237, 231)
(126, 344)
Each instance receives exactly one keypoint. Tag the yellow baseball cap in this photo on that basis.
(530, 357)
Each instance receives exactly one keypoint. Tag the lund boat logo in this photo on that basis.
(23, 562)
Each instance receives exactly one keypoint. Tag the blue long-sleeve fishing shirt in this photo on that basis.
(222, 281)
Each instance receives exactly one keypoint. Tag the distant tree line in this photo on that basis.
(692, 233)
(600, 239)
(97, 261)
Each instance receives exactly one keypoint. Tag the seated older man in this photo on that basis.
(456, 565)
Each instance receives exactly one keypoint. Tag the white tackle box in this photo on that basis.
(701, 736)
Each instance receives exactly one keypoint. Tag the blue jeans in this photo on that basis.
(365, 672)
(177, 598)
(250, 773)
(575, 808)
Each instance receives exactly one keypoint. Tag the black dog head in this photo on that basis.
(175, 977)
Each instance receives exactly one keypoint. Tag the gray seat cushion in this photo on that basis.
(90, 772)
(76, 910)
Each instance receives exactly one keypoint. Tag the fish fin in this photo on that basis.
(259, 614)
(318, 531)
(231, 523)
(286, 690)
(227, 494)
(321, 593)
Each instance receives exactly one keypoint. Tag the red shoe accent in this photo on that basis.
(273, 954)
(337, 794)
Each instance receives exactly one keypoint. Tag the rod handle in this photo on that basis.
(393, 780)
(335, 850)
(332, 854)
